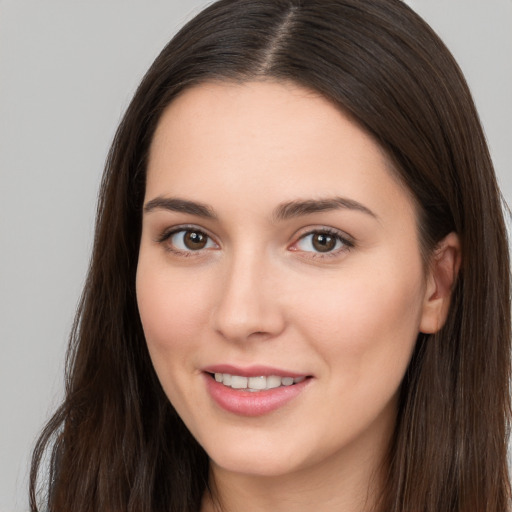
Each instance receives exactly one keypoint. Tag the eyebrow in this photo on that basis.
(284, 211)
(299, 207)
(181, 206)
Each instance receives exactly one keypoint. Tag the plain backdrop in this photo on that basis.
(67, 71)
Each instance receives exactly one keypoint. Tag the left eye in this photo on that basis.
(191, 240)
(321, 241)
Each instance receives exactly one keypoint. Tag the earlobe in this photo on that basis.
(442, 275)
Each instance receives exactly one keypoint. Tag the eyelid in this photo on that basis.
(347, 240)
(167, 233)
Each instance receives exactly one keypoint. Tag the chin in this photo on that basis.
(255, 463)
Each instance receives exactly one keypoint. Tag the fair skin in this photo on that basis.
(331, 291)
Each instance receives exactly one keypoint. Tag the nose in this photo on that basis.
(248, 306)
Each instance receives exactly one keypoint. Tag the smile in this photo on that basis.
(255, 384)
(254, 394)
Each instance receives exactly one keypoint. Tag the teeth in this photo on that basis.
(273, 382)
(255, 383)
(238, 382)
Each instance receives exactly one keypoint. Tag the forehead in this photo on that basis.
(265, 107)
(277, 140)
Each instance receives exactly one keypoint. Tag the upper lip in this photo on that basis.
(251, 371)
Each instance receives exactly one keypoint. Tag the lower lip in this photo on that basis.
(248, 403)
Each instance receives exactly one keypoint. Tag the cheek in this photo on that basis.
(368, 323)
(173, 310)
(364, 331)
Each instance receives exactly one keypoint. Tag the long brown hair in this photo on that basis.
(116, 443)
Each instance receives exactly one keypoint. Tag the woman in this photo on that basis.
(299, 291)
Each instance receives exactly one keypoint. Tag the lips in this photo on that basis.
(253, 391)
(258, 383)
(251, 371)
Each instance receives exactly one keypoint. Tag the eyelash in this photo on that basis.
(169, 233)
(346, 243)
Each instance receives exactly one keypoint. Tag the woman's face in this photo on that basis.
(277, 247)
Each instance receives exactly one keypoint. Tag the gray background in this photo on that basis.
(67, 72)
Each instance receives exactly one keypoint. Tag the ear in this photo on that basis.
(443, 270)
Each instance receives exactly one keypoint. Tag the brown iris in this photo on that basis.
(323, 242)
(195, 240)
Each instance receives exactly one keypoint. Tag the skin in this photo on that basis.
(260, 292)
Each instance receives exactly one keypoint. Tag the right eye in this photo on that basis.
(188, 240)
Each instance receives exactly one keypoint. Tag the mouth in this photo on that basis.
(260, 391)
(256, 383)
